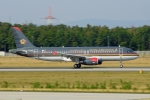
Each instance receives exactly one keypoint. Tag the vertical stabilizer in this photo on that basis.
(21, 40)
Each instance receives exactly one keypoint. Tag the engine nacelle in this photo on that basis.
(91, 61)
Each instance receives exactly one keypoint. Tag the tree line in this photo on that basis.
(137, 38)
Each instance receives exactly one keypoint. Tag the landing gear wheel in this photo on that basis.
(77, 65)
(121, 66)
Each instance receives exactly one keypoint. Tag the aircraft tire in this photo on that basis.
(75, 65)
(121, 66)
(79, 65)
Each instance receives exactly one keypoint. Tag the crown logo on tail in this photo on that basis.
(23, 41)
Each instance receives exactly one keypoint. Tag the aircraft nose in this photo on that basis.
(136, 55)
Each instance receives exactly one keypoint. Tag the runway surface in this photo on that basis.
(70, 96)
(82, 69)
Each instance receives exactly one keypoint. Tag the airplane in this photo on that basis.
(79, 55)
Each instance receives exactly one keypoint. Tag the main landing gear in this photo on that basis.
(77, 65)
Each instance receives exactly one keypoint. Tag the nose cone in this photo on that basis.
(135, 55)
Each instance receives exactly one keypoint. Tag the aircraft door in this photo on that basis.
(35, 52)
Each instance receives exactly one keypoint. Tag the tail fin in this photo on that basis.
(20, 39)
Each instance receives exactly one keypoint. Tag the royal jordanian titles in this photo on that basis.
(79, 55)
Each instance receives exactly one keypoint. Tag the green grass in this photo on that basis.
(76, 81)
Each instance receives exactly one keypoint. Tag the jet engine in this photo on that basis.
(90, 61)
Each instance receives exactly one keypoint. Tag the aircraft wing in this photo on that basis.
(74, 58)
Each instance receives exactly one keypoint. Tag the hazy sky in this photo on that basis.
(19, 11)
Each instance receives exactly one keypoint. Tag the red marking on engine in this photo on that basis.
(94, 59)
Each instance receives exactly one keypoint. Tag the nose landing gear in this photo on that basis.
(121, 66)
